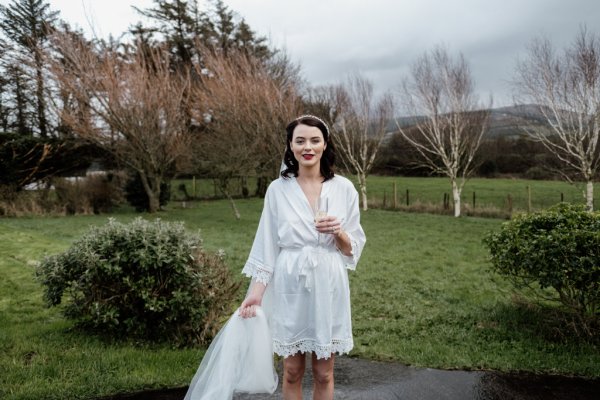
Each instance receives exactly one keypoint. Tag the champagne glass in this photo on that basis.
(320, 213)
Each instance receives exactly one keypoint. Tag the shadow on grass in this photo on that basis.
(549, 323)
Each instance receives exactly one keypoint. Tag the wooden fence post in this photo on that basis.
(194, 186)
(474, 200)
(407, 198)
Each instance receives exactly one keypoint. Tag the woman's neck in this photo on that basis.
(310, 174)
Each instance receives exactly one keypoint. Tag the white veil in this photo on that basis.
(239, 359)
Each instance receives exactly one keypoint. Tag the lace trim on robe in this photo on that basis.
(258, 272)
(308, 346)
(352, 259)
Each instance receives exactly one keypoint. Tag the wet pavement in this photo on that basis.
(357, 379)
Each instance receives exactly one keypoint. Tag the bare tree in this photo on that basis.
(246, 109)
(128, 104)
(360, 125)
(449, 122)
(566, 87)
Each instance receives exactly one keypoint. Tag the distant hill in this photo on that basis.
(508, 121)
(513, 120)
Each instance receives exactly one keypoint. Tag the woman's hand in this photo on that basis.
(329, 224)
(333, 226)
(248, 307)
(253, 300)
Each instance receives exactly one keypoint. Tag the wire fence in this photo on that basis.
(488, 197)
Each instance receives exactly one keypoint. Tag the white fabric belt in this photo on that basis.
(308, 262)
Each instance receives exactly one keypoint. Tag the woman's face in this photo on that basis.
(307, 145)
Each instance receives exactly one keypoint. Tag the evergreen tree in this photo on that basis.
(27, 24)
(224, 33)
(177, 22)
(182, 24)
(19, 115)
(4, 109)
(247, 41)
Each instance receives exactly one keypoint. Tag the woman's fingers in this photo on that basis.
(328, 224)
(248, 312)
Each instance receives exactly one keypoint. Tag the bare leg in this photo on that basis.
(322, 377)
(293, 371)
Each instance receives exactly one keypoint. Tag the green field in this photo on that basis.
(489, 193)
(422, 295)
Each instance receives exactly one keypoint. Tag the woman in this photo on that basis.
(301, 262)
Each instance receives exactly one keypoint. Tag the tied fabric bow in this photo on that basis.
(309, 260)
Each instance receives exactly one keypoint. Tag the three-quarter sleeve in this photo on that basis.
(354, 231)
(265, 248)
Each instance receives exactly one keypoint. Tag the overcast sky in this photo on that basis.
(381, 38)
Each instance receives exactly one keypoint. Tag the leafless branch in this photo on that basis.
(566, 88)
(449, 122)
(131, 104)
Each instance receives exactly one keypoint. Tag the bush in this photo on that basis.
(558, 249)
(86, 195)
(538, 173)
(26, 159)
(90, 194)
(144, 280)
(136, 194)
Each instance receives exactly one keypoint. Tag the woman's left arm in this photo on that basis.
(342, 242)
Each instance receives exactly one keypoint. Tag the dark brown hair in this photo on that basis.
(328, 157)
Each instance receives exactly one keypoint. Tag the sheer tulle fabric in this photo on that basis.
(239, 359)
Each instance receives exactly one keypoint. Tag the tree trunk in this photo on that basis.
(153, 193)
(244, 185)
(589, 195)
(153, 202)
(456, 195)
(362, 184)
(20, 100)
(224, 188)
(41, 103)
(236, 212)
(261, 186)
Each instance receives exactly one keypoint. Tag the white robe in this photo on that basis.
(308, 294)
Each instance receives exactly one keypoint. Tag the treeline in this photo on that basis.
(516, 156)
(196, 91)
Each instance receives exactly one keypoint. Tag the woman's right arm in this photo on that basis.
(261, 261)
(254, 298)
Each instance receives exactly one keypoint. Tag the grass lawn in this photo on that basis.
(422, 295)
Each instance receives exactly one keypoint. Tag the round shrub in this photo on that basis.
(144, 280)
(559, 249)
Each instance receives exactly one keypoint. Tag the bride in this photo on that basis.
(308, 236)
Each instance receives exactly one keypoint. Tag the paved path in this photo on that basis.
(357, 379)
